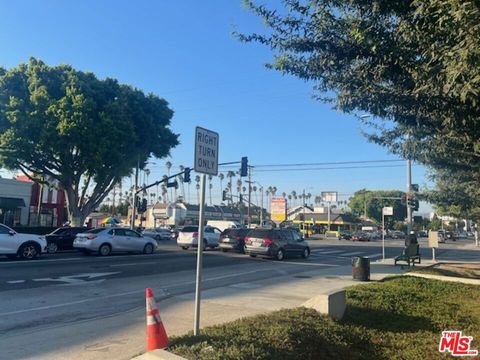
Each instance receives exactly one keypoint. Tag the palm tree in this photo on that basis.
(267, 193)
(182, 180)
(274, 190)
(294, 196)
(254, 189)
(147, 174)
(164, 186)
(152, 198)
(221, 177)
(290, 201)
(284, 195)
(230, 175)
(164, 194)
(309, 196)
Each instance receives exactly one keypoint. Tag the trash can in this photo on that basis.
(361, 268)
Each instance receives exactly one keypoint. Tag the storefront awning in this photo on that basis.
(11, 203)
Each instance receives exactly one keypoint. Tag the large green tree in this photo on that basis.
(70, 129)
(412, 64)
(456, 193)
(370, 203)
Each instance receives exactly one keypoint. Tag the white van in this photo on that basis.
(225, 224)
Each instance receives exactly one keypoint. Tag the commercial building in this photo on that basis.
(20, 199)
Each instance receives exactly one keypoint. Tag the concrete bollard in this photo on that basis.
(332, 303)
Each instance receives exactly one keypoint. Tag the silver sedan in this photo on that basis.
(104, 241)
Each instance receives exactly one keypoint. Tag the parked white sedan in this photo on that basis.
(188, 237)
(26, 246)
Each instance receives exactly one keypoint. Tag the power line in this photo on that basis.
(333, 168)
(321, 163)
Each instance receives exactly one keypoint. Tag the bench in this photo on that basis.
(410, 254)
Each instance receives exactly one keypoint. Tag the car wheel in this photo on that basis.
(185, 247)
(104, 250)
(28, 251)
(280, 255)
(253, 255)
(306, 253)
(224, 250)
(52, 248)
(158, 238)
(148, 249)
(205, 244)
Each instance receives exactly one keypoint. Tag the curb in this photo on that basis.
(445, 278)
(158, 355)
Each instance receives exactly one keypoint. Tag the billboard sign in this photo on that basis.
(388, 211)
(329, 196)
(279, 209)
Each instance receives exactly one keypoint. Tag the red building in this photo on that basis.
(52, 208)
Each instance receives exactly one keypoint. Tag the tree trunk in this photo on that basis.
(76, 215)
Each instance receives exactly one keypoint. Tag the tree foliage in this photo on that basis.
(68, 127)
(456, 193)
(372, 202)
(412, 64)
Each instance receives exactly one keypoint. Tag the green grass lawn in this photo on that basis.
(400, 318)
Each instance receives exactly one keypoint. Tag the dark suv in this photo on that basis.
(233, 239)
(276, 243)
(62, 238)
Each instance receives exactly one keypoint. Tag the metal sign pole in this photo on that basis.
(198, 285)
(383, 236)
(433, 255)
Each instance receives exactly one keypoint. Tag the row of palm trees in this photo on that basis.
(234, 187)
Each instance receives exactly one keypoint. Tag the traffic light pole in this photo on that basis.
(409, 188)
(134, 206)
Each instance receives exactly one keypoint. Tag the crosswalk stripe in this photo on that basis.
(352, 253)
(329, 252)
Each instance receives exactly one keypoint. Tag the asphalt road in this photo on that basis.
(37, 297)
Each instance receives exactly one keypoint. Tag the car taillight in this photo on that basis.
(237, 237)
(195, 234)
(248, 240)
(267, 241)
(91, 237)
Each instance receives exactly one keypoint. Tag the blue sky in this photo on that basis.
(184, 52)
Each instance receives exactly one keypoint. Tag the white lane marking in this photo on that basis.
(133, 264)
(16, 281)
(373, 256)
(306, 263)
(328, 252)
(73, 279)
(70, 303)
(84, 258)
(114, 295)
(353, 253)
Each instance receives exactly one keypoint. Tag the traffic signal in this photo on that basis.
(241, 198)
(186, 175)
(244, 167)
(142, 206)
(224, 195)
(414, 187)
(416, 204)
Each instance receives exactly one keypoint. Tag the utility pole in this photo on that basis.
(303, 224)
(249, 194)
(134, 202)
(409, 188)
(261, 207)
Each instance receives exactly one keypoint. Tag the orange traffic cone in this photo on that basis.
(156, 334)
